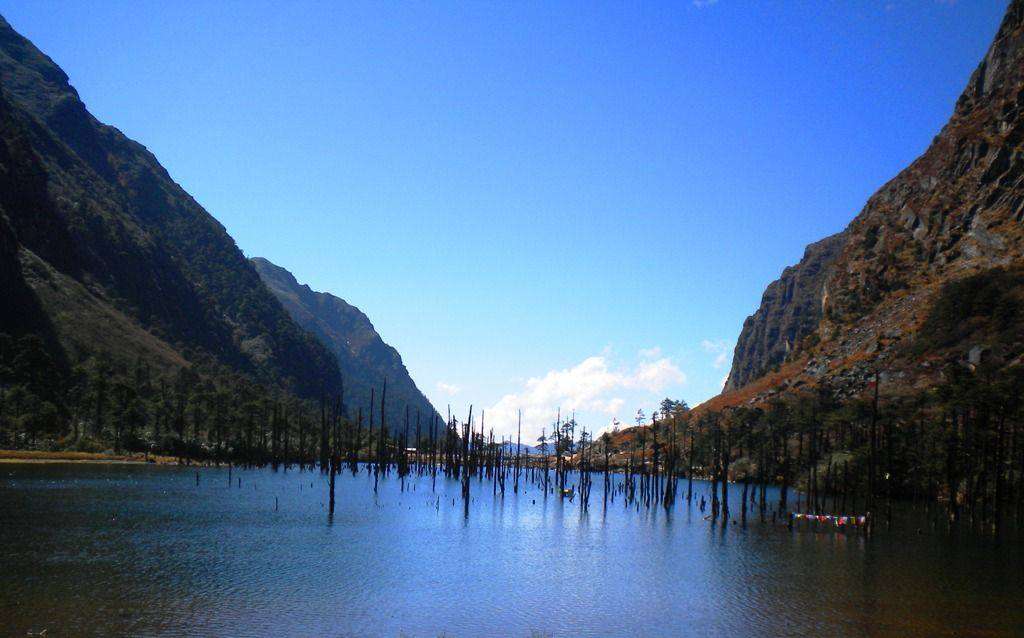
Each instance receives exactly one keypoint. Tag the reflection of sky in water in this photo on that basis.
(101, 550)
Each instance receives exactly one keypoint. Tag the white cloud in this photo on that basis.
(722, 350)
(655, 375)
(613, 406)
(609, 427)
(707, 345)
(591, 386)
(650, 353)
(448, 388)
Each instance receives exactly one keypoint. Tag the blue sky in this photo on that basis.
(539, 204)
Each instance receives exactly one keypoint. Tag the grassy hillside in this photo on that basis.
(130, 319)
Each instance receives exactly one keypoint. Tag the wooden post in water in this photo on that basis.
(333, 473)
(715, 473)
(872, 459)
(519, 438)
(689, 469)
(323, 431)
(725, 477)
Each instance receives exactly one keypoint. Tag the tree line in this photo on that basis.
(959, 443)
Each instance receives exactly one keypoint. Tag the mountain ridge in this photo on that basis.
(365, 360)
(869, 302)
(110, 251)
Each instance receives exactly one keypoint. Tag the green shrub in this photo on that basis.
(982, 307)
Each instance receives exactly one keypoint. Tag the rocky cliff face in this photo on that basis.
(107, 253)
(365, 360)
(867, 299)
(791, 309)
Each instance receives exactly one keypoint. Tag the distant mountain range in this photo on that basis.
(931, 270)
(510, 448)
(102, 252)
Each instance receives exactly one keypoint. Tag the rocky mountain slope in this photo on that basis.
(927, 273)
(790, 310)
(365, 360)
(101, 251)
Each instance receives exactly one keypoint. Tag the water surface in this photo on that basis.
(102, 550)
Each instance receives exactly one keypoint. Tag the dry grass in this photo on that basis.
(42, 456)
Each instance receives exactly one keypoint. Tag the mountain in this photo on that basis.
(523, 449)
(365, 360)
(790, 309)
(102, 252)
(930, 272)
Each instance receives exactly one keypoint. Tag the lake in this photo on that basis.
(111, 550)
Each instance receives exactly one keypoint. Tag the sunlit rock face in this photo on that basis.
(858, 301)
(791, 309)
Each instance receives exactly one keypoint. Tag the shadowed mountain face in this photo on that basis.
(929, 272)
(104, 252)
(365, 360)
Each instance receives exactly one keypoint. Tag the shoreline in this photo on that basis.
(44, 456)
